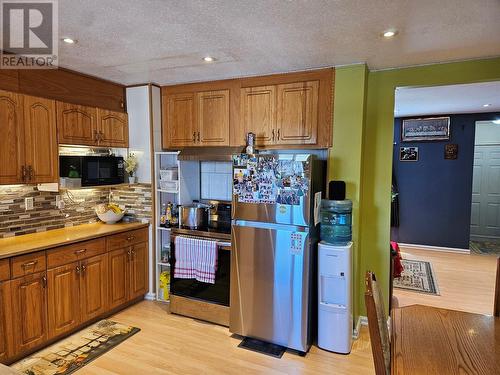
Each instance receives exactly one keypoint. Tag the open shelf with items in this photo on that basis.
(182, 181)
(164, 161)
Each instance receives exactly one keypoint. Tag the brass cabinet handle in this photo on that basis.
(23, 173)
(272, 134)
(279, 134)
(31, 172)
(129, 252)
(96, 137)
(198, 136)
(78, 269)
(81, 251)
(101, 136)
(194, 136)
(44, 281)
(29, 264)
(130, 238)
(84, 268)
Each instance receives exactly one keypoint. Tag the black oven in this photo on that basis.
(93, 170)
(215, 293)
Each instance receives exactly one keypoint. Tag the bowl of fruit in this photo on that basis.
(110, 213)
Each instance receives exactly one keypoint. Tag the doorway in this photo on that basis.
(438, 194)
(485, 207)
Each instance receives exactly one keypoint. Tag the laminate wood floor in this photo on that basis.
(171, 344)
(466, 282)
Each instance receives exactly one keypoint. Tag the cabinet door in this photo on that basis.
(118, 277)
(179, 127)
(297, 119)
(76, 124)
(5, 322)
(64, 302)
(29, 311)
(41, 140)
(112, 128)
(258, 114)
(11, 139)
(139, 270)
(94, 287)
(213, 118)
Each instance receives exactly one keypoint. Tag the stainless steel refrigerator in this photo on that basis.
(275, 214)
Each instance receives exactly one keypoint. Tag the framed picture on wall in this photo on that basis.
(408, 154)
(425, 129)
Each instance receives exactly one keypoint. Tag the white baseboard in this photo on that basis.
(362, 321)
(150, 297)
(435, 248)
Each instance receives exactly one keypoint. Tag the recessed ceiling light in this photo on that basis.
(208, 59)
(487, 105)
(69, 40)
(389, 33)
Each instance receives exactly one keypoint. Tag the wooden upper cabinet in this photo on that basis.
(258, 114)
(29, 311)
(297, 113)
(179, 125)
(41, 149)
(12, 138)
(112, 128)
(94, 287)
(213, 118)
(63, 297)
(76, 124)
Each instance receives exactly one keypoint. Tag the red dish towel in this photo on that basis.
(195, 259)
(398, 265)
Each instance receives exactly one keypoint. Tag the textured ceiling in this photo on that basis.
(163, 41)
(449, 99)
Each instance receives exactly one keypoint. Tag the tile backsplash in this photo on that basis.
(216, 180)
(78, 207)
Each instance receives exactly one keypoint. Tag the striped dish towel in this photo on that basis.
(195, 259)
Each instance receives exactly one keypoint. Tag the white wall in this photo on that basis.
(140, 130)
(487, 133)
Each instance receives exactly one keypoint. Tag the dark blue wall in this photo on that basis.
(434, 193)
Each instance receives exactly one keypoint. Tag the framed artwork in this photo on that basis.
(408, 154)
(425, 129)
(451, 151)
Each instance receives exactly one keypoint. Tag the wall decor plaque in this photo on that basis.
(426, 129)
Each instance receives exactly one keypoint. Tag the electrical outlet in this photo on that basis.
(59, 202)
(29, 203)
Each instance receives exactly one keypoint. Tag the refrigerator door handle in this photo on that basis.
(273, 226)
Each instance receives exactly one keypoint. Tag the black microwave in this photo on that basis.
(93, 170)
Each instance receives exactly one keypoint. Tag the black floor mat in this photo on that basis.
(263, 347)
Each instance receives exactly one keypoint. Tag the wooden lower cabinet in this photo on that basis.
(94, 287)
(5, 335)
(118, 277)
(29, 312)
(139, 270)
(64, 298)
(128, 273)
(42, 300)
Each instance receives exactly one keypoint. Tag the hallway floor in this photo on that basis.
(465, 282)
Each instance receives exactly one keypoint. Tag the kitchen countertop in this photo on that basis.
(29, 243)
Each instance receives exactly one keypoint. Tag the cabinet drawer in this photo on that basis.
(72, 253)
(118, 241)
(4, 270)
(27, 264)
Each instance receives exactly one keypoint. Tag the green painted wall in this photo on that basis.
(346, 155)
(362, 149)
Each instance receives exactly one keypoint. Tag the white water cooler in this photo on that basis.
(335, 322)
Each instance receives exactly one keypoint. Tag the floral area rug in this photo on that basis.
(74, 352)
